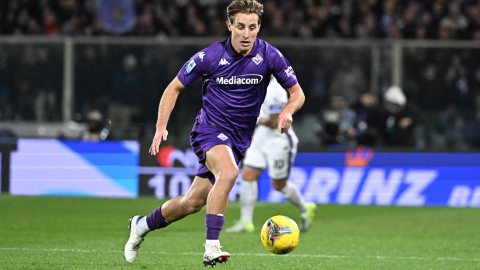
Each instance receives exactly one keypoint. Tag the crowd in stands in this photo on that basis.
(440, 91)
(438, 106)
(425, 19)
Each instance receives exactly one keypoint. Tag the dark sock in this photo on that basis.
(155, 220)
(214, 224)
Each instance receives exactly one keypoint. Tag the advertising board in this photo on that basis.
(361, 177)
(77, 168)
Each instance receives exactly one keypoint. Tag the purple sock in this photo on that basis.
(214, 224)
(155, 220)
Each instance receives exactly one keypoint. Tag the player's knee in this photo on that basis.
(249, 174)
(279, 185)
(230, 174)
(192, 205)
(228, 177)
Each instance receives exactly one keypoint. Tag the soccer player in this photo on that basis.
(235, 75)
(273, 150)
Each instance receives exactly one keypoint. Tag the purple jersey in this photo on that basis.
(234, 87)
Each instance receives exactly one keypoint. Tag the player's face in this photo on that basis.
(244, 32)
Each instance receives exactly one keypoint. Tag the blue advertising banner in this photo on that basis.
(361, 177)
(111, 169)
(365, 177)
(76, 168)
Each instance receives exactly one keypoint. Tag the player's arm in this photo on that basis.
(295, 102)
(167, 102)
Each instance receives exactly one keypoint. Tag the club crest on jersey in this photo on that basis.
(222, 137)
(257, 59)
(190, 66)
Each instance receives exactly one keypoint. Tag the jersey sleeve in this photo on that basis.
(197, 66)
(281, 68)
(191, 70)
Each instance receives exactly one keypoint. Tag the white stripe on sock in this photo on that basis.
(142, 227)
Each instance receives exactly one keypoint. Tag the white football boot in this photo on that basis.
(241, 226)
(307, 217)
(135, 240)
(214, 255)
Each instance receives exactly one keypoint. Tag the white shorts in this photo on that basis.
(271, 149)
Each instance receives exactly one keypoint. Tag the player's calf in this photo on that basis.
(191, 206)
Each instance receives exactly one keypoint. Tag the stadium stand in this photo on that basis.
(433, 19)
(443, 82)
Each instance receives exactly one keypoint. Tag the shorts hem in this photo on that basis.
(280, 179)
(208, 147)
(255, 168)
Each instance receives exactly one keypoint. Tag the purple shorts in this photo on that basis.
(202, 138)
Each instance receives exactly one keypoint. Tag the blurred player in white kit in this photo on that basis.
(276, 151)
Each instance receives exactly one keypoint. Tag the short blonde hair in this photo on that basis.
(244, 6)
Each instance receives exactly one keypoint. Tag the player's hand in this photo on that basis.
(160, 135)
(284, 121)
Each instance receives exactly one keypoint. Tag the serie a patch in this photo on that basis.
(190, 66)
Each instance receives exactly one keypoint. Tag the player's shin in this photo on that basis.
(293, 196)
(307, 210)
(248, 197)
(213, 254)
(214, 224)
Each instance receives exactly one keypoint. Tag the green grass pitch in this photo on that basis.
(89, 233)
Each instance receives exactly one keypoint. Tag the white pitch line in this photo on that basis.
(250, 254)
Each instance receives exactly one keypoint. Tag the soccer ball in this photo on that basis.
(280, 234)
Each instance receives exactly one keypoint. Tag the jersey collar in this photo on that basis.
(232, 53)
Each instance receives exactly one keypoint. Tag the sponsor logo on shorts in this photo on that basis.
(222, 137)
(190, 66)
(241, 79)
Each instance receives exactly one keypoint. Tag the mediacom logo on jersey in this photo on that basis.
(241, 79)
